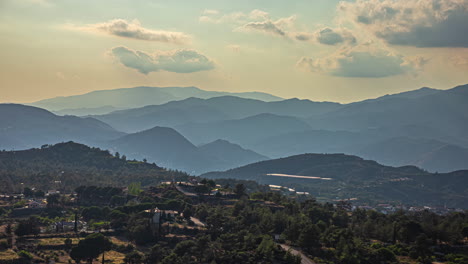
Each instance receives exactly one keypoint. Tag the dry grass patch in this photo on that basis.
(8, 255)
(119, 241)
(114, 257)
(55, 241)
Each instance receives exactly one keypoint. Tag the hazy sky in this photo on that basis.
(317, 49)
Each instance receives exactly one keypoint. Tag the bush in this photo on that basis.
(25, 255)
(4, 245)
(385, 255)
(457, 259)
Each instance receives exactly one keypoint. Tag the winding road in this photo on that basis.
(304, 258)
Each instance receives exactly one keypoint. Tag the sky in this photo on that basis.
(323, 50)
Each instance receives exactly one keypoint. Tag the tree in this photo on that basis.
(8, 230)
(134, 188)
(309, 237)
(28, 192)
(202, 189)
(211, 183)
(266, 248)
(291, 258)
(133, 258)
(465, 231)
(68, 243)
(28, 227)
(156, 254)
(91, 247)
(240, 189)
(409, 231)
(39, 193)
(385, 255)
(53, 200)
(95, 213)
(139, 230)
(187, 213)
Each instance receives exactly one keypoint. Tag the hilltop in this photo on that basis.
(170, 149)
(73, 165)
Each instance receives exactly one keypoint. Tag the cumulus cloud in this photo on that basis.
(363, 63)
(327, 36)
(179, 61)
(134, 30)
(259, 14)
(420, 23)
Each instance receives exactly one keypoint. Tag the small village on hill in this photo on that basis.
(188, 221)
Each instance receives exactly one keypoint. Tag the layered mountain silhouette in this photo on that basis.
(440, 115)
(424, 127)
(432, 155)
(26, 127)
(196, 110)
(135, 97)
(168, 148)
(87, 111)
(339, 176)
(243, 131)
(229, 153)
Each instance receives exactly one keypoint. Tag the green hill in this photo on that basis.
(339, 176)
(66, 166)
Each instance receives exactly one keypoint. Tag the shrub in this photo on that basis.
(25, 255)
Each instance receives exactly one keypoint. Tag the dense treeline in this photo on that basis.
(66, 166)
(246, 231)
(334, 235)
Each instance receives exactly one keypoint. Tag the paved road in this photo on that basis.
(304, 258)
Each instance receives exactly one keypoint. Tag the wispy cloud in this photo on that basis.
(178, 61)
(266, 27)
(216, 17)
(133, 30)
(210, 12)
(258, 21)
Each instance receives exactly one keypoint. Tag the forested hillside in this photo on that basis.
(66, 166)
(339, 176)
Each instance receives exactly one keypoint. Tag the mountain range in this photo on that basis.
(196, 110)
(424, 127)
(93, 102)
